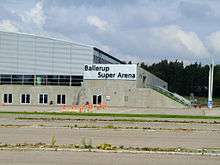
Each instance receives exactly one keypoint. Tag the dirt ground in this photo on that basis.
(162, 133)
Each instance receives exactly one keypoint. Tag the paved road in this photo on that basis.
(133, 137)
(85, 158)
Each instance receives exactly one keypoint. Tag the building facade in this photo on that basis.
(29, 60)
(43, 71)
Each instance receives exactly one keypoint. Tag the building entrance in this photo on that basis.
(97, 99)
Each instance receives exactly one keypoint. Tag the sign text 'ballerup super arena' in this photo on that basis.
(110, 72)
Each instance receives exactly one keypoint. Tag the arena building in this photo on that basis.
(42, 71)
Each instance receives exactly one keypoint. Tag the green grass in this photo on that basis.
(112, 115)
(204, 100)
(60, 118)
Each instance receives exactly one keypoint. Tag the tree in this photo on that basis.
(192, 78)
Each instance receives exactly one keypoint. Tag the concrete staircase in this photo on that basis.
(173, 96)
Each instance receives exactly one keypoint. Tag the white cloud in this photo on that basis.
(37, 14)
(135, 30)
(174, 39)
(98, 23)
(34, 16)
(105, 48)
(213, 41)
(7, 25)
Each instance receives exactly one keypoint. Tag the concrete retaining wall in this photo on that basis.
(118, 93)
(125, 94)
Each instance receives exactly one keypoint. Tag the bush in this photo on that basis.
(105, 146)
(53, 141)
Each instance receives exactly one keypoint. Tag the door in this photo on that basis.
(94, 99)
(97, 99)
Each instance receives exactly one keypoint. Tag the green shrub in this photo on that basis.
(105, 146)
(110, 127)
(53, 141)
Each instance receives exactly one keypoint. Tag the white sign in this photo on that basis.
(110, 72)
(108, 98)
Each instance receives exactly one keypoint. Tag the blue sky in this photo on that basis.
(137, 30)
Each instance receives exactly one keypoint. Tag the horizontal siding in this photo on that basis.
(27, 54)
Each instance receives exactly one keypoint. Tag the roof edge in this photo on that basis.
(51, 38)
(108, 55)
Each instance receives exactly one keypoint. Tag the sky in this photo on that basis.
(132, 30)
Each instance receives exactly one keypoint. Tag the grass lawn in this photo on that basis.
(204, 100)
(113, 115)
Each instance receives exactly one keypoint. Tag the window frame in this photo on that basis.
(97, 99)
(61, 99)
(43, 98)
(25, 98)
(7, 97)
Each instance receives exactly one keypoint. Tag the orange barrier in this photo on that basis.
(81, 108)
(89, 107)
(84, 108)
(104, 105)
(101, 106)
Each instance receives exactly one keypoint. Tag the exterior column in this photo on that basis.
(210, 90)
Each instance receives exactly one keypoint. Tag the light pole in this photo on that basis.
(210, 90)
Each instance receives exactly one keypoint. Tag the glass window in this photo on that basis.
(58, 99)
(64, 80)
(6, 79)
(40, 80)
(25, 99)
(52, 80)
(28, 99)
(76, 80)
(17, 79)
(61, 99)
(28, 79)
(43, 98)
(7, 98)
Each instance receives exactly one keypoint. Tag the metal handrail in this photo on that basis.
(171, 95)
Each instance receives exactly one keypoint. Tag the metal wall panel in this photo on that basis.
(34, 55)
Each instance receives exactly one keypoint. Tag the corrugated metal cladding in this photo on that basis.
(33, 55)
